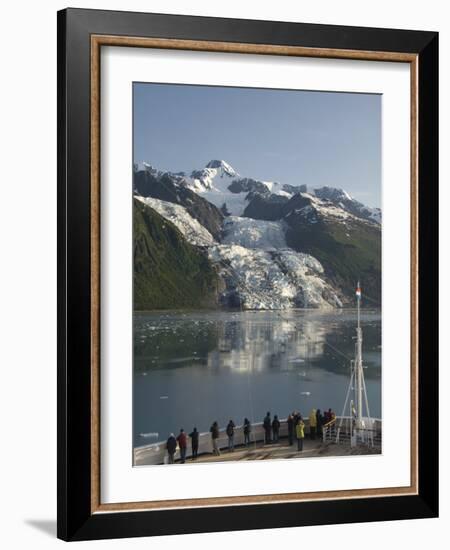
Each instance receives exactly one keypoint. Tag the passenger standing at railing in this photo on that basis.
(275, 429)
(182, 442)
(319, 422)
(214, 437)
(312, 423)
(171, 447)
(300, 433)
(247, 430)
(194, 441)
(267, 425)
(230, 434)
(290, 425)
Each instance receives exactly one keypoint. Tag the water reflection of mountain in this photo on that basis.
(193, 368)
(292, 340)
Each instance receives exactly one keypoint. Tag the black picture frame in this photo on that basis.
(75, 518)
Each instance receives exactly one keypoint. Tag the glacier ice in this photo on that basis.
(252, 233)
(273, 279)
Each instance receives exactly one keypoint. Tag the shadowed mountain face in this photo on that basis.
(265, 207)
(269, 245)
(347, 252)
(168, 187)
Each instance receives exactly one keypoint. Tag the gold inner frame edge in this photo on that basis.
(97, 41)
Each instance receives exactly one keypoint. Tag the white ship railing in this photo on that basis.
(156, 453)
(343, 430)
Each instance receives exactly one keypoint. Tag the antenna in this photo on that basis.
(358, 362)
(358, 301)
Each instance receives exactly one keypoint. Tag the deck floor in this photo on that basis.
(311, 448)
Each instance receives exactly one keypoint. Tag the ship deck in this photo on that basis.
(282, 450)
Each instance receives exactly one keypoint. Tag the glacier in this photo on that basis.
(258, 268)
(273, 279)
(251, 233)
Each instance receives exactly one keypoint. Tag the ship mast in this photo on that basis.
(359, 374)
(357, 412)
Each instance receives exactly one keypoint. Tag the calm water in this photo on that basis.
(191, 368)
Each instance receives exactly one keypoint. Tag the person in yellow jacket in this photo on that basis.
(312, 423)
(300, 433)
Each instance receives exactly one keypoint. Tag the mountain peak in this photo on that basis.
(342, 199)
(222, 165)
(332, 193)
(143, 166)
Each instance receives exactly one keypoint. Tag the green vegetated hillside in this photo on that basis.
(169, 273)
(346, 252)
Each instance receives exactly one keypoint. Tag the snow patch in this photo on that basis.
(235, 203)
(277, 188)
(190, 228)
(375, 214)
(323, 209)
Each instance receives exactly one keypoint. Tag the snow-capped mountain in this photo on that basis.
(220, 184)
(341, 198)
(314, 209)
(273, 245)
(210, 177)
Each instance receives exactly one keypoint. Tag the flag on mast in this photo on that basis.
(358, 291)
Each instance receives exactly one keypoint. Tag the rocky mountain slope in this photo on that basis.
(172, 188)
(344, 244)
(169, 272)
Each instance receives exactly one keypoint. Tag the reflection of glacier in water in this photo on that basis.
(191, 368)
(257, 341)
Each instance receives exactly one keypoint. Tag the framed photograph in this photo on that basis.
(248, 301)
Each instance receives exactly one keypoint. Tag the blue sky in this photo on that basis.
(290, 136)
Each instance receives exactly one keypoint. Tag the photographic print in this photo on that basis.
(242, 284)
(257, 274)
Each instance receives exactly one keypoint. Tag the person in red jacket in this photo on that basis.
(182, 443)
